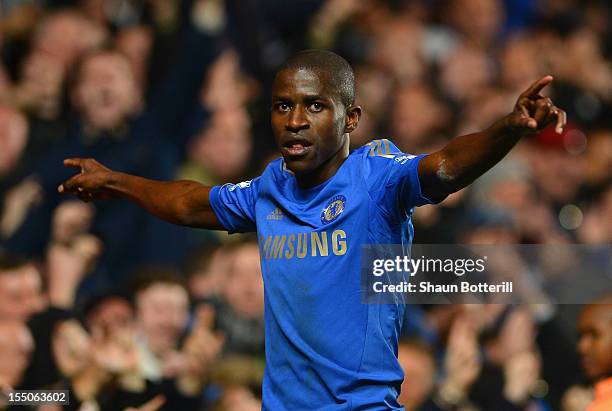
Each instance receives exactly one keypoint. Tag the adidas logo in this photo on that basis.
(276, 214)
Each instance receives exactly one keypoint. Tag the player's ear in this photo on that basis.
(353, 114)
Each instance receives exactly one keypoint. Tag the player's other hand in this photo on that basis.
(533, 111)
(92, 183)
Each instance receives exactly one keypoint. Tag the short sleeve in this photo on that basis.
(394, 178)
(404, 174)
(234, 205)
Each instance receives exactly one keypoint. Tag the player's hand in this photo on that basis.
(533, 111)
(91, 183)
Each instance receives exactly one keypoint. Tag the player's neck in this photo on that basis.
(326, 170)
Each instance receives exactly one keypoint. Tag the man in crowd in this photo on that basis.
(20, 289)
(595, 349)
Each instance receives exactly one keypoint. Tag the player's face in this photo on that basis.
(308, 120)
(595, 344)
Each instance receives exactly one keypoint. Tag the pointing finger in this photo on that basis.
(537, 86)
(73, 162)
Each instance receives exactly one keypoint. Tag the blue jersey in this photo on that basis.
(325, 350)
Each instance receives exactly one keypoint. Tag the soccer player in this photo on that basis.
(312, 210)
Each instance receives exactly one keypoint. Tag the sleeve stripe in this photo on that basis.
(372, 148)
(381, 148)
(387, 146)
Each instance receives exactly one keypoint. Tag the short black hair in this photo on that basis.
(92, 303)
(147, 275)
(337, 70)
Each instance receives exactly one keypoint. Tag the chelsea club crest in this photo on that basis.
(333, 209)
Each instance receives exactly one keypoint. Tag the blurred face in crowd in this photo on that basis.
(71, 347)
(557, 173)
(209, 280)
(224, 146)
(106, 92)
(419, 375)
(111, 314)
(13, 137)
(16, 346)
(238, 398)
(308, 119)
(478, 20)
(373, 88)
(606, 211)
(41, 82)
(66, 34)
(136, 44)
(595, 344)
(415, 114)
(244, 289)
(408, 65)
(483, 108)
(162, 311)
(465, 72)
(598, 157)
(20, 293)
(519, 64)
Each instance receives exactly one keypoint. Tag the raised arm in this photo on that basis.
(466, 158)
(178, 202)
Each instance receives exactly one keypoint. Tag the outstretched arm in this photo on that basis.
(467, 157)
(178, 202)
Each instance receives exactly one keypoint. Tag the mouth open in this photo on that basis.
(296, 147)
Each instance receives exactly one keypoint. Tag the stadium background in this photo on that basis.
(119, 307)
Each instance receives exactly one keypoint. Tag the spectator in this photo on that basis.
(419, 365)
(66, 34)
(137, 44)
(161, 302)
(477, 22)
(239, 314)
(207, 272)
(416, 116)
(595, 349)
(16, 346)
(13, 136)
(239, 378)
(21, 293)
(19, 195)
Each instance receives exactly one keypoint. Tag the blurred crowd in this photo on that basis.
(124, 310)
